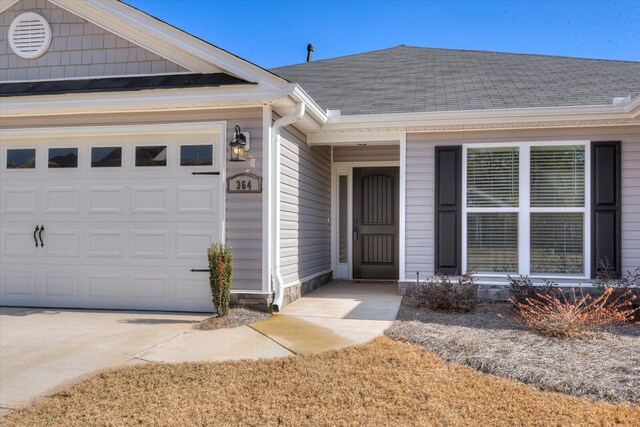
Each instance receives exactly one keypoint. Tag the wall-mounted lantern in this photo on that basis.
(239, 145)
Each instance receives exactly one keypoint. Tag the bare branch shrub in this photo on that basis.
(522, 288)
(606, 277)
(576, 315)
(447, 293)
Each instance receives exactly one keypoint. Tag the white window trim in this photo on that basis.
(525, 210)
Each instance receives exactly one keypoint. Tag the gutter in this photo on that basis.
(276, 275)
(621, 110)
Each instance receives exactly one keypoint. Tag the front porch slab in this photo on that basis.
(334, 316)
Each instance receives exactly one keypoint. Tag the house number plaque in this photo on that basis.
(244, 183)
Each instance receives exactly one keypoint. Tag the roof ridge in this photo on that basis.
(339, 57)
(519, 53)
(459, 50)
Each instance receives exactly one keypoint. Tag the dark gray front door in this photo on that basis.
(375, 223)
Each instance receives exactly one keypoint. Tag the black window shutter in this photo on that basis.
(606, 206)
(448, 209)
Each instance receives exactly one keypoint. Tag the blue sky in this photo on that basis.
(273, 33)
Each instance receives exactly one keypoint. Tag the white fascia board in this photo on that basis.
(6, 4)
(299, 95)
(484, 117)
(314, 116)
(355, 138)
(143, 100)
(169, 42)
(179, 128)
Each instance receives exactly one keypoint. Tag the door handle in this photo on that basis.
(34, 235)
(40, 235)
(355, 233)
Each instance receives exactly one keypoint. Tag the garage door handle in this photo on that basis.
(34, 235)
(40, 235)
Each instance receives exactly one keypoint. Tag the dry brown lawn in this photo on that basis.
(381, 383)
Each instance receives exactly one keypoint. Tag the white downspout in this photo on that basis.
(275, 215)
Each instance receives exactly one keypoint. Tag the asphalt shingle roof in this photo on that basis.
(407, 79)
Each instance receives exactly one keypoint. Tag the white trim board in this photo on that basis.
(267, 200)
(403, 207)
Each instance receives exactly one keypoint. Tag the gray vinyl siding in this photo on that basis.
(244, 211)
(366, 153)
(305, 208)
(78, 49)
(420, 186)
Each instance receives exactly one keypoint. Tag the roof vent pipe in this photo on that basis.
(309, 52)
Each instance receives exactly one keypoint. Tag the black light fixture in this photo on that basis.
(238, 146)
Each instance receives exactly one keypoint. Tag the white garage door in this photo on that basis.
(110, 217)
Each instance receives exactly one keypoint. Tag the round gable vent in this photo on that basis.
(29, 35)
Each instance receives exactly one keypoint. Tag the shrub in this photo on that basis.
(220, 272)
(448, 293)
(606, 277)
(558, 315)
(522, 288)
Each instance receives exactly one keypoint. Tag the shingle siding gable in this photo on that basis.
(78, 49)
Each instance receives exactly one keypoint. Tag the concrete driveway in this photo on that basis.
(42, 349)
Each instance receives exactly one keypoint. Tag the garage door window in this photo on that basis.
(196, 155)
(106, 157)
(63, 158)
(155, 155)
(21, 158)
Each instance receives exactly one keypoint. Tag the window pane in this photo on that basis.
(557, 176)
(343, 224)
(492, 242)
(63, 157)
(557, 243)
(151, 155)
(23, 158)
(196, 155)
(106, 157)
(493, 177)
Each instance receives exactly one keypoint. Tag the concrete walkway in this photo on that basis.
(337, 315)
(42, 349)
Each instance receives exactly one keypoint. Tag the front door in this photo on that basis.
(375, 223)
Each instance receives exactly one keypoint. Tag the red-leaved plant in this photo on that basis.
(578, 314)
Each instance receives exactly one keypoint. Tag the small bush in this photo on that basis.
(558, 315)
(448, 293)
(522, 288)
(606, 277)
(220, 272)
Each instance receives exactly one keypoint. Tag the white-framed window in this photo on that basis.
(526, 209)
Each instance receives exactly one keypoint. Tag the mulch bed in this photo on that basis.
(605, 367)
(238, 316)
(384, 382)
